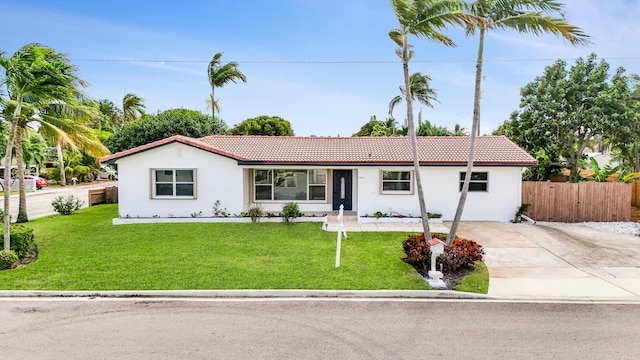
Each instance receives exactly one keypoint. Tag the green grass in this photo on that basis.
(477, 281)
(84, 251)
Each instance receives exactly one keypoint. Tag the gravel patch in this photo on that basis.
(629, 228)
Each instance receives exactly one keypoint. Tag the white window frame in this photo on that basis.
(174, 182)
(309, 184)
(472, 181)
(396, 192)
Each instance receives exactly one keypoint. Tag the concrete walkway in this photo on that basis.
(351, 224)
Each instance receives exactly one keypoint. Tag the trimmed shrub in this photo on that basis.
(8, 259)
(66, 205)
(290, 211)
(462, 253)
(21, 240)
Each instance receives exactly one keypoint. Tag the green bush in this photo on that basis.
(66, 205)
(8, 258)
(21, 240)
(290, 211)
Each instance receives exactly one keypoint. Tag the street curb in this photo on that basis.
(260, 294)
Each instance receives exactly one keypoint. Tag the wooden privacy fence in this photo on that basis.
(584, 201)
(635, 192)
(108, 195)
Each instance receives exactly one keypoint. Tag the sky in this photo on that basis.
(326, 66)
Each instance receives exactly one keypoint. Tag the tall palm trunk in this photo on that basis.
(7, 178)
(63, 175)
(475, 128)
(414, 145)
(22, 207)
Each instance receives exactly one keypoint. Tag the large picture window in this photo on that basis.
(396, 182)
(290, 185)
(479, 181)
(174, 183)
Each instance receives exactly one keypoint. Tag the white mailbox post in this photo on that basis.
(435, 277)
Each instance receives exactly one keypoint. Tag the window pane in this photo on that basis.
(317, 192)
(479, 176)
(184, 176)
(263, 192)
(390, 175)
(396, 186)
(318, 176)
(164, 189)
(263, 177)
(285, 194)
(184, 189)
(164, 176)
(405, 175)
(479, 186)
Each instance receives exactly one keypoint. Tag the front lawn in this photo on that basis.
(84, 251)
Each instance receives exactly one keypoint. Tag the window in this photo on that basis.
(478, 181)
(290, 185)
(179, 183)
(394, 182)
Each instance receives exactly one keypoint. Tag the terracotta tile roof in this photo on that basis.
(453, 150)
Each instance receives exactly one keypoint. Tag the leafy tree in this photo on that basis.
(165, 124)
(34, 75)
(428, 129)
(420, 90)
(132, 107)
(111, 115)
(219, 75)
(524, 16)
(627, 139)
(562, 110)
(379, 131)
(263, 125)
(367, 128)
(422, 18)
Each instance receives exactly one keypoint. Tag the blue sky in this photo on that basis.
(324, 65)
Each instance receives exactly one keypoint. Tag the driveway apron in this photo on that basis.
(557, 261)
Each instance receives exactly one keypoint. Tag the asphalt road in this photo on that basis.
(39, 201)
(315, 329)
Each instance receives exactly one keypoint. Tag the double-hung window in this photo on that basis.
(174, 183)
(479, 181)
(396, 182)
(290, 184)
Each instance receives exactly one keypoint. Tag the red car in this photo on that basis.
(40, 182)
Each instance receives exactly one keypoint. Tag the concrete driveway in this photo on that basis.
(558, 261)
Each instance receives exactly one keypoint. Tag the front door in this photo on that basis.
(342, 189)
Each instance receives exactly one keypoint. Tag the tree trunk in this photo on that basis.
(475, 130)
(414, 146)
(63, 176)
(7, 179)
(22, 208)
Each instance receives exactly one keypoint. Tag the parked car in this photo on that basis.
(107, 173)
(40, 182)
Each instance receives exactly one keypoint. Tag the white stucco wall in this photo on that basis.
(217, 178)
(441, 187)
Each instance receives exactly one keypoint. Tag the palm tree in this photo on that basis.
(35, 74)
(66, 126)
(420, 90)
(132, 107)
(524, 16)
(422, 18)
(219, 75)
